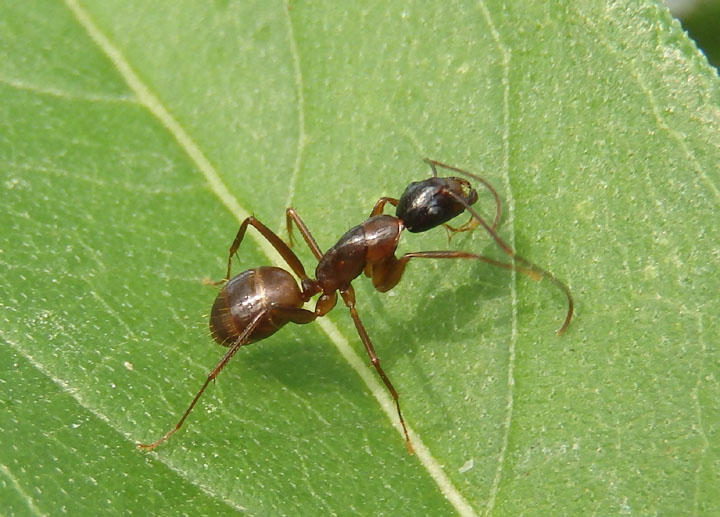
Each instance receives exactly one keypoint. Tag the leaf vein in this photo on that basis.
(19, 489)
(218, 187)
(653, 103)
(54, 92)
(302, 136)
(509, 402)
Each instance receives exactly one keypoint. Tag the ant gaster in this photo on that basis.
(258, 302)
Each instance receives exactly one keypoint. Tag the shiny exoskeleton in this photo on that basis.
(258, 302)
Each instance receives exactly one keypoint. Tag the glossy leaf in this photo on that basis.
(133, 138)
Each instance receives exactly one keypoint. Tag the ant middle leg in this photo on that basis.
(348, 296)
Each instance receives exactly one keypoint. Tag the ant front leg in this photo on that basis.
(529, 266)
(348, 296)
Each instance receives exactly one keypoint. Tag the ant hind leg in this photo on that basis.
(240, 341)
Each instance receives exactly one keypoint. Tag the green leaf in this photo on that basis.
(135, 136)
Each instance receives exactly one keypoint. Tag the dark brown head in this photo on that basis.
(434, 201)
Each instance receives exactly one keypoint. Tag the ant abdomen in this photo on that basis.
(248, 294)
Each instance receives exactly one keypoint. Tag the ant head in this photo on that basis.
(434, 201)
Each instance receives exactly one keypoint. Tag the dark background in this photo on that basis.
(701, 19)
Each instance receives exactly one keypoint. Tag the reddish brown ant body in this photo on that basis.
(258, 302)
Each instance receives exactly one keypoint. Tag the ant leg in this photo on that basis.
(292, 216)
(299, 316)
(380, 205)
(277, 243)
(240, 341)
(465, 227)
(387, 274)
(528, 266)
(434, 163)
(348, 296)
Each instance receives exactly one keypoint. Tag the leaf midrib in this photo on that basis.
(153, 104)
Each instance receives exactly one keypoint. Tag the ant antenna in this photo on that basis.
(486, 183)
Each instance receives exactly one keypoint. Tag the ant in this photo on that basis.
(258, 302)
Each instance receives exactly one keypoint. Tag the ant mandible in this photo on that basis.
(258, 302)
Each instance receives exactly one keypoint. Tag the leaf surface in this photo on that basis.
(135, 136)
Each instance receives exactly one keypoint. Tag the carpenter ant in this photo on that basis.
(258, 302)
